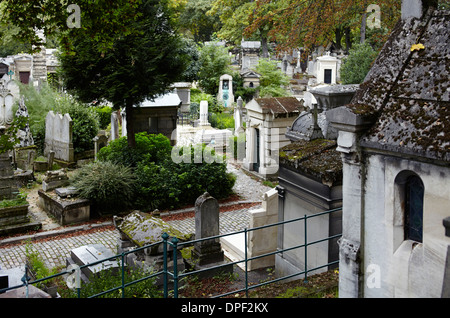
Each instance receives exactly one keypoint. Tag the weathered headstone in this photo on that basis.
(58, 136)
(100, 141)
(139, 229)
(207, 225)
(6, 105)
(55, 179)
(114, 126)
(7, 184)
(208, 253)
(204, 113)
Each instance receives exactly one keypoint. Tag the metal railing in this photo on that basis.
(176, 276)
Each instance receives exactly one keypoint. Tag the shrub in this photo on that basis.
(109, 186)
(171, 184)
(221, 120)
(39, 103)
(108, 279)
(356, 66)
(104, 115)
(149, 147)
(85, 125)
(272, 81)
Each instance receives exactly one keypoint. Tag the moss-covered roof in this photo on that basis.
(280, 104)
(317, 159)
(408, 88)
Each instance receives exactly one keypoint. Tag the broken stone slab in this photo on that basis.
(55, 179)
(144, 229)
(92, 253)
(66, 192)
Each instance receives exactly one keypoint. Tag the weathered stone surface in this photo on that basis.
(93, 253)
(144, 229)
(66, 211)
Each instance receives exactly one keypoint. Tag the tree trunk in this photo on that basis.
(348, 41)
(130, 124)
(363, 28)
(338, 33)
(265, 49)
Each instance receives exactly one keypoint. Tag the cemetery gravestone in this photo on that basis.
(93, 253)
(6, 105)
(207, 225)
(58, 136)
(226, 90)
(114, 126)
(204, 113)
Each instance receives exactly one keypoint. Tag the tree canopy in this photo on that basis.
(100, 20)
(139, 65)
(311, 23)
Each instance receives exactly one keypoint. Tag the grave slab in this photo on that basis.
(89, 254)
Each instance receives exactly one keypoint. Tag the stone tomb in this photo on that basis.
(13, 219)
(12, 278)
(139, 229)
(61, 201)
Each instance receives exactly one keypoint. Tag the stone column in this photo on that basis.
(351, 244)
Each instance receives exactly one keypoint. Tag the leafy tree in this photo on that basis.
(236, 16)
(140, 65)
(197, 22)
(272, 81)
(311, 23)
(101, 21)
(9, 44)
(356, 66)
(214, 62)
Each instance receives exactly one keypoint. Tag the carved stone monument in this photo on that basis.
(208, 253)
(226, 90)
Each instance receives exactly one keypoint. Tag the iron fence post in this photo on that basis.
(175, 267)
(123, 275)
(165, 236)
(306, 249)
(246, 262)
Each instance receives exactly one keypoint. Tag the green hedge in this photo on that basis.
(162, 183)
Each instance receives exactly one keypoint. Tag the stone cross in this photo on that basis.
(207, 225)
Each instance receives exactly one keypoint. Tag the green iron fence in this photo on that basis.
(173, 277)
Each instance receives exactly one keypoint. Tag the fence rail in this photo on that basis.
(176, 276)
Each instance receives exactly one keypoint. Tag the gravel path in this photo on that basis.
(247, 187)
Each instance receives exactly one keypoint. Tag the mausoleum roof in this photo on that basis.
(408, 90)
(317, 159)
(279, 105)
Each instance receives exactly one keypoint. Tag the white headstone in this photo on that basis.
(114, 126)
(58, 136)
(6, 105)
(204, 113)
